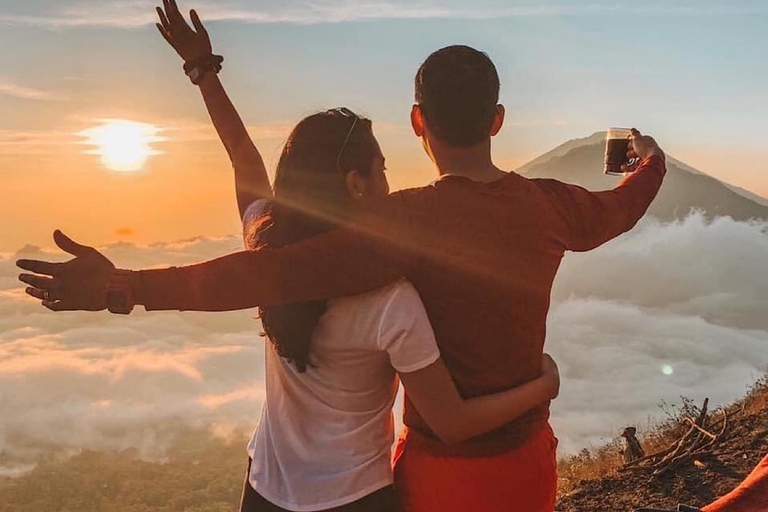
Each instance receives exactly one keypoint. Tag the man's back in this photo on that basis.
(490, 256)
(482, 256)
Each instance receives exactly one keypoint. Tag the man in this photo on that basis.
(481, 246)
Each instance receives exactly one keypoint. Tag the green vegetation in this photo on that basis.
(203, 474)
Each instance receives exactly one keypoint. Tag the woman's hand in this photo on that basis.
(551, 375)
(189, 44)
(79, 284)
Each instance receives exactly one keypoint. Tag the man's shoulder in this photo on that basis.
(412, 194)
(404, 205)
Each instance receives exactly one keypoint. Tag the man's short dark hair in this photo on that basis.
(457, 88)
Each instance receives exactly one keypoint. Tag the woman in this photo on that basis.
(326, 430)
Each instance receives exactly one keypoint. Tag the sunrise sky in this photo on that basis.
(692, 73)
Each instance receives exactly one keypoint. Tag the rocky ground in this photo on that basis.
(743, 445)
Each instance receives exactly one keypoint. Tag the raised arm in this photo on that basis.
(590, 219)
(251, 180)
(454, 419)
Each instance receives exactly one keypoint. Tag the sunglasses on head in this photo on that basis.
(345, 112)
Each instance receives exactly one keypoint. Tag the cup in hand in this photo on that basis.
(616, 147)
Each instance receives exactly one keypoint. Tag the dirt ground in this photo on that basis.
(743, 446)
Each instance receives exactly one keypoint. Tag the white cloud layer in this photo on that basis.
(689, 295)
(9, 88)
(137, 13)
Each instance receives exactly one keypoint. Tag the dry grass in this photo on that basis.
(603, 461)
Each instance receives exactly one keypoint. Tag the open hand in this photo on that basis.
(640, 147)
(551, 375)
(79, 284)
(189, 44)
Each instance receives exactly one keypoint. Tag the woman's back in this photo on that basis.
(325, 435)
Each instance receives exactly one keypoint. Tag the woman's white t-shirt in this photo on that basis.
(325, 436)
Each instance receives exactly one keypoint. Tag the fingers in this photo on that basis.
(632, 166)
(172, 10)
(197, 23)
(164, 32)
(51, 299)
(39, 267)
(44, 295)
(59, 305)
(66, 244)
(163, 19)
(42, 282)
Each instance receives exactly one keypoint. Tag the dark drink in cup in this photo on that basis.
(616, 147)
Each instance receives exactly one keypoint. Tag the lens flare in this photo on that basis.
(124, 146)
(667, 369)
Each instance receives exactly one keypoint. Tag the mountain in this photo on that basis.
(580, 161)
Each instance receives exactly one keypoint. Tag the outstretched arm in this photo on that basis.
(251, 180)
(589, 219)
(339, 263)
(454, 419)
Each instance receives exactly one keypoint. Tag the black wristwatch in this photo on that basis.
(197, 68)
(120, 299)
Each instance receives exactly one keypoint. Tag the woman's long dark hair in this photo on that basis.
(310, 199)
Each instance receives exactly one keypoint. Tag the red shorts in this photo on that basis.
(521, 480)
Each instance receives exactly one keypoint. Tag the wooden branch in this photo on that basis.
(703, 414)
(660, 453)
(698, 440)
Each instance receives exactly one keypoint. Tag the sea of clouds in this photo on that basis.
(664, 311)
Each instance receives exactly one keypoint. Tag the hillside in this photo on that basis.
(580, 161)
(591, 482)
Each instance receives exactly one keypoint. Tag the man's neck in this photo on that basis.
(474, 163)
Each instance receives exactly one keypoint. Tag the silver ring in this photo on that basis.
(47, 295)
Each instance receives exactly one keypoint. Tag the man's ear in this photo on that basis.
(417, 121)
(498, 120)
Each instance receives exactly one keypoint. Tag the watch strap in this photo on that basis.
(120, 298)
(199, 67)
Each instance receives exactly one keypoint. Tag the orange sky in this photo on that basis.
(187, 190)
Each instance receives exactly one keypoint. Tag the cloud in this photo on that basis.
(49, 142)
(96, 381)
(138, 13)
(125, 232)
(184, 130)
(9, 88)
(689, 295)
(28, 143)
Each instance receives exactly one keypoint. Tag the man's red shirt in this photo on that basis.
(483, 257)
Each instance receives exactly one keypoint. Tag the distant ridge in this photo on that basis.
(580, 161)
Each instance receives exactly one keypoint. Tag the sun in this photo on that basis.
(124, 146)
